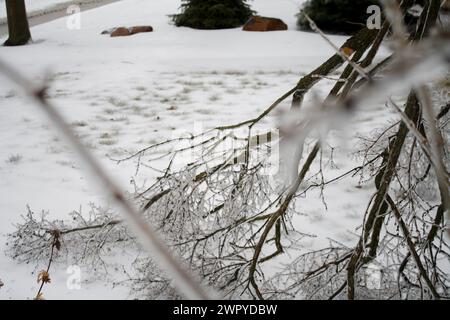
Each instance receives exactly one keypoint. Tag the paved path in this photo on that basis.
(55, 13)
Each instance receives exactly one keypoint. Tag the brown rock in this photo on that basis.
(121, 32)
(262, 24)
(140, 29)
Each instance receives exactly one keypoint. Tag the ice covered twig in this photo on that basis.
(182, 279)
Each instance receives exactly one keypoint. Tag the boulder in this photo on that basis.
(140, 29)
(262, 24)
(121, 32)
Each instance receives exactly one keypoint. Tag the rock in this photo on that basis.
(121, 32)
(140, 29)
(262, 24)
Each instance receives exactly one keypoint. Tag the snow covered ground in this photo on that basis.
(121, 94)
(35, 7)
(32, 5)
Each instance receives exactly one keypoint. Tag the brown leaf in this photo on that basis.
(347, 51)
(43, 276)
(40, 296)
(56, 234)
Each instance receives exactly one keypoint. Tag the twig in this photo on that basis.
(44, 275)
(437, 149)
(411, 248)
(183, 280)
(344, 57)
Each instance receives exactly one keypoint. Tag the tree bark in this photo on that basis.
(376, 215)
(19, 31)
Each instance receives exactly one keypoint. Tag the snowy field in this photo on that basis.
(122, 94)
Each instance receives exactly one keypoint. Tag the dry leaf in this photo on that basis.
(55, 233)
(44, 277)
(40, 296)
(347, 51)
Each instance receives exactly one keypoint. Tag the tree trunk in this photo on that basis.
(19, 31)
